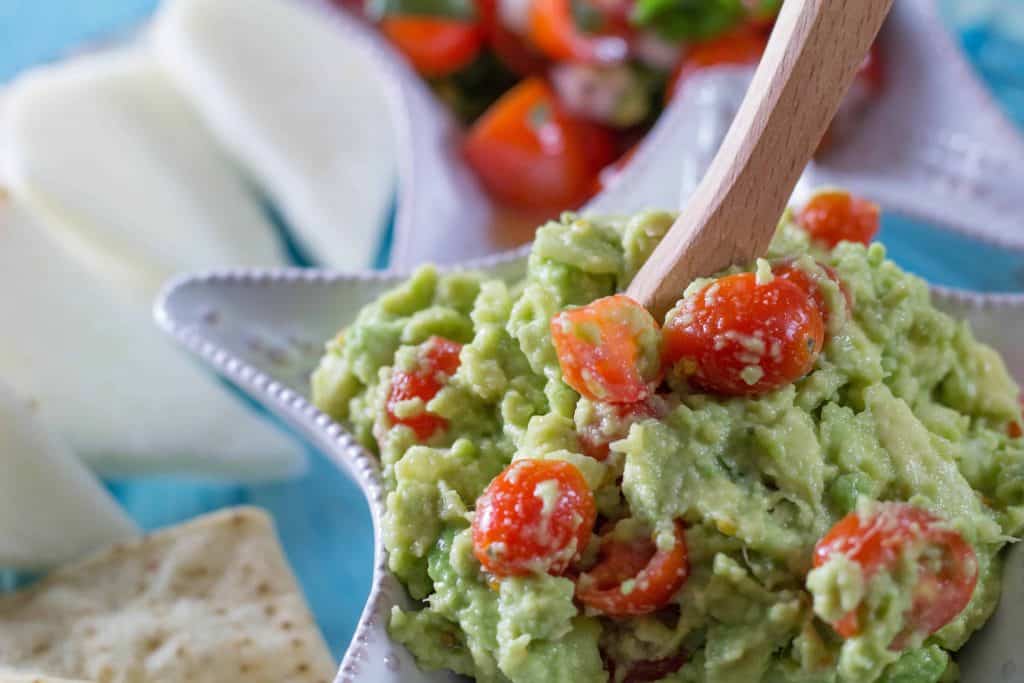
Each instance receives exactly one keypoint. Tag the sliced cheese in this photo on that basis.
(52, 509)
(123, 171)
(107, 380)
(300, 106)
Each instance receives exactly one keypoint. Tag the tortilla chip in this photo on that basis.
(209, 601)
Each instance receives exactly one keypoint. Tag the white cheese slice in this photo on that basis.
(109, 382)
(52, 509)
(123, 170)
(301, 107)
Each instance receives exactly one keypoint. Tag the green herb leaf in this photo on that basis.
(688, 19)
(586, 17)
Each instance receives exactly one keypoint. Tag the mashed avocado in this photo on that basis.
(902, 404)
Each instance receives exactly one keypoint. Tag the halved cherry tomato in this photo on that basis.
(788, 270)
(611, 422)
(879, 543)
(439, 359)
(834, 216)
(530, 154)
(436, 46)
(534, 517)
(741, 47)
(608, 349)
(740, 338)
(634, 577)
(553, 30)
(509, 48)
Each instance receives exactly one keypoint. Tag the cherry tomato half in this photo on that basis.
(878, 543)
(741, 47)
(436, 46)
(439, 359)
(634, 577)
(530, 154)
(835, 216)
(810, 283)
(534, 517)
(554, 31)
(741, 338)
(609, 349)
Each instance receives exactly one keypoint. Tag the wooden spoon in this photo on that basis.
(811, 60)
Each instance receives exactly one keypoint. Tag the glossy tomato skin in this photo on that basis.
(738, 337)
(553, 30)
(741, 47)
(535, 517)
(634, 577)
(530, 154)
(810, 283)
(439, 359)
(609, 350)
(835, 216)
(436, 46)
(878, 542)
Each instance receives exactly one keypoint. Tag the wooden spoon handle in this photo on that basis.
(811, 60)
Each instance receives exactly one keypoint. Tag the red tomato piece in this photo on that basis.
(436, 46)
(512, 50)
(810, 285)
(605, 348)
(654, 575)
(741, 47)
(878, 544)
(439, 360)
(835, 216)
(740, 338)
(553, 30)
(530, 154)
(534, 517)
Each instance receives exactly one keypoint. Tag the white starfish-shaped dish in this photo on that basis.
(933, 147)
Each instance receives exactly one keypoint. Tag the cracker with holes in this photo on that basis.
(212, 600)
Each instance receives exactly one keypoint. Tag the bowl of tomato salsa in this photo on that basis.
(555, 95)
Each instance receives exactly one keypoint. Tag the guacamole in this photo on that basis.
(901, 404)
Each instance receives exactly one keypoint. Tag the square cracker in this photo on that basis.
(210, 601)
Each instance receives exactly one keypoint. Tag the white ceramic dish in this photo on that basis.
(934, 148)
